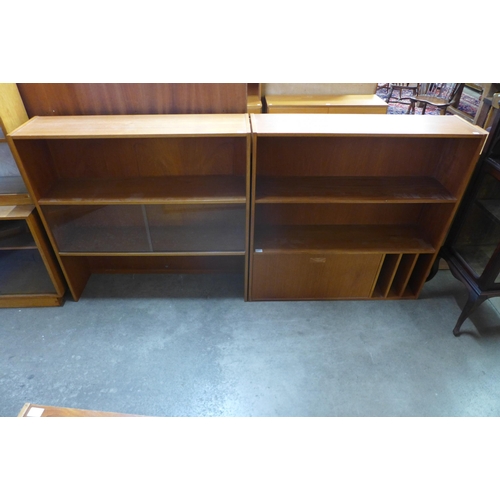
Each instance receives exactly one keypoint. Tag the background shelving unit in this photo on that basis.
(29, 273)
(140, 193)
(353, 206)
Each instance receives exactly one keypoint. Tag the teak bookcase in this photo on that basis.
(140, 193)
(353, 206)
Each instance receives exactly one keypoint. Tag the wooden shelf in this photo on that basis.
(356, 239)
(301, 189)
(15, 212)
(152, 190)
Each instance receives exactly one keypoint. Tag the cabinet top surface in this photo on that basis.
(326, 100)
(363, 125)
(109, 126)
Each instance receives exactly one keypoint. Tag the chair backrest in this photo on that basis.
(449, 92)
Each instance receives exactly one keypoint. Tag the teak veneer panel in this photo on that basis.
(364, 104)
(358, 126)
(15, 212)
(12, 110)
(34, 410)
(127, 126)
(308, 276)
(52, 99)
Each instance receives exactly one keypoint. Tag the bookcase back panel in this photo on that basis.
(347, 156)
(56, 99)
(318, 214)
(125, 158)
(199, 264)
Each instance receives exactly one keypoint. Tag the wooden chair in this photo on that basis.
(439, 95)
(413, 87)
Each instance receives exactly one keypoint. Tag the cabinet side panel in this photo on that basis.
(12, 111)
(77, 273)
(46, 252)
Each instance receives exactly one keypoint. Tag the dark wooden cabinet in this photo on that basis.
(472, 248)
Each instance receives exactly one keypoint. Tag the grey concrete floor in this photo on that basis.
(188, 345)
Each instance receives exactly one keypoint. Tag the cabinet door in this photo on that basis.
(314, 276)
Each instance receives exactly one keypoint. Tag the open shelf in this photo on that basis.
(173, 189)
(339, 238)
(329, 189)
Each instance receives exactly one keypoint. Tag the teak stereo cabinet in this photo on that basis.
(306, 206)
(353, 206)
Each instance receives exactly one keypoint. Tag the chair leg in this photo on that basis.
(424, 108)
(472, 304)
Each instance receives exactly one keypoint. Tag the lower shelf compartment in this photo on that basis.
(314, 276)
(79, 268)
(23, 272)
